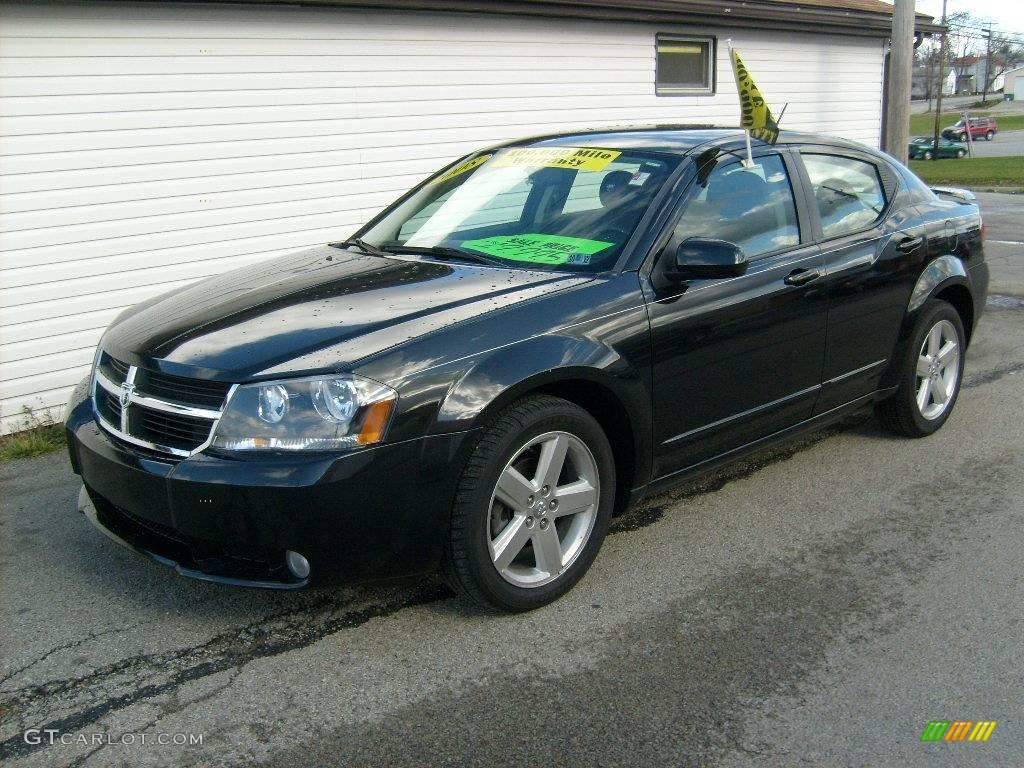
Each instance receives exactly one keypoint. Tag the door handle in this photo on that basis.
(801, 276)
(908, 244)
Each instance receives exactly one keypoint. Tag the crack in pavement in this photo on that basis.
(90, 696)
(65, 647)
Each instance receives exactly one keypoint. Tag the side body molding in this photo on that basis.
(934, 275)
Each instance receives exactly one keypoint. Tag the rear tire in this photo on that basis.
(963, 137)
(532, 506)
(930, 374)
(989, 135)
(927, 155)
(961, 154)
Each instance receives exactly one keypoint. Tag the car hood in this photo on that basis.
(317, 310)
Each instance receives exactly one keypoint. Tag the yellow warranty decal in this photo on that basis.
(461, 168)
(583, 159)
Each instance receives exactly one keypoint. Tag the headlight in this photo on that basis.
(321, 414)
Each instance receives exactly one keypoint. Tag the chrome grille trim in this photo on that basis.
(167, 406)
(121, 431)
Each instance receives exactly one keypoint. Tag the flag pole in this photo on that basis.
(749, 162)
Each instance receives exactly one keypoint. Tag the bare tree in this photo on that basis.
(963, 45)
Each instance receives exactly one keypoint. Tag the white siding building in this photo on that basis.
(145, 145)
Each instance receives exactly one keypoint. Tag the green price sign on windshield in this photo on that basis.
(539, 248)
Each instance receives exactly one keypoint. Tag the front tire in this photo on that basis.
(927, 155)
(963, 137)
(961, 154)
(931, 374)
(989, 135)
(532, 506)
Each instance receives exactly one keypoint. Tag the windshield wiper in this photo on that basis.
(441, 252)
(356, 242)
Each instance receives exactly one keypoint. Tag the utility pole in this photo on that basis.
(988, 63)
(901, 69)
(942, 77)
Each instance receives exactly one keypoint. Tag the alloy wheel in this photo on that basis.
(938, 370)
(543, 509)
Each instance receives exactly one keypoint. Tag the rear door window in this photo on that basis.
(848, 192)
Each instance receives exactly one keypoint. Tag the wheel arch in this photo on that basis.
(608, 410)
(944, 278)
(959, 295)
(597, 379)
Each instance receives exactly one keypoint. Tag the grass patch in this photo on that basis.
(995, 171)
(924, 124)
(37, 435)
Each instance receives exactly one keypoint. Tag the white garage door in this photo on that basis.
(146, 146)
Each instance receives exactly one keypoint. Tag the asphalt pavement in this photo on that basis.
(817, 604)
(1003, 144)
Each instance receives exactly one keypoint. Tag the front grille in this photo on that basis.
(109, 406)
(113, 369)
(208, 394)
(153, 410)
(174, 430)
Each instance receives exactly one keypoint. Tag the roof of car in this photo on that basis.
(670, 139)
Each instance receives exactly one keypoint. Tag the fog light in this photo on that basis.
(297, 564)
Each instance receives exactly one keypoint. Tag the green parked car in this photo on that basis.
(923, 148)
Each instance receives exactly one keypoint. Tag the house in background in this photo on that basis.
(1014, 83)
(146, 145)
(971, 72)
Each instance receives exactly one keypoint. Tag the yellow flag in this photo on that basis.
(754, 113)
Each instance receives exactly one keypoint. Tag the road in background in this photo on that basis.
(817, 604)
(1003, 144)
(949, 104)
(1004, 247)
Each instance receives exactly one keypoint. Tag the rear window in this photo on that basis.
(848, 192)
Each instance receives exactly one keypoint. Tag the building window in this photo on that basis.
(685, 65)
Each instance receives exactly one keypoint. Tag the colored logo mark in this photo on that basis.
(958, 730)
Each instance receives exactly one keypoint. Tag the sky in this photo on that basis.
(1007, 16)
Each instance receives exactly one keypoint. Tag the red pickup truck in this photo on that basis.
(980, 128)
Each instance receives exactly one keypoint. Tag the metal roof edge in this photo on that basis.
(751, 14)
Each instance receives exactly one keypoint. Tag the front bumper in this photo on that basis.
(372, 514)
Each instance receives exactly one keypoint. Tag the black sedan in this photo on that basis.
(521, 347)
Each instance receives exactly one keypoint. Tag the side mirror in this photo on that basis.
(701, 259)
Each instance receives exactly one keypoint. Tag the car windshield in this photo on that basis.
(922, 140)
(553, 208)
